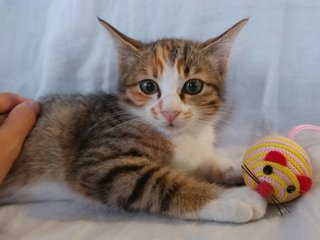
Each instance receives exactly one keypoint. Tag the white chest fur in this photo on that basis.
(194, 149)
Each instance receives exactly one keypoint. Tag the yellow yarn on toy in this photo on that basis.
(278, 168)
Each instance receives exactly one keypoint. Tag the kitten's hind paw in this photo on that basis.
(237, 205)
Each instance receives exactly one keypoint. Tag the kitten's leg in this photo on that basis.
(222, 166)
(230, 161)
(140, 185)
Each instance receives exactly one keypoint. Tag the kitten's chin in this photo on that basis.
(172, 131)
(175, 130)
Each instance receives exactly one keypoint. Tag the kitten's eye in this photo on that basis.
(193, 87)
(149, 86)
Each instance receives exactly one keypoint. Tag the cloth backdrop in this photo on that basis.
(273, 84)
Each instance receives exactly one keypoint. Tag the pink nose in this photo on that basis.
(170, 115)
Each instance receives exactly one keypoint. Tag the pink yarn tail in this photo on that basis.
(300, 128)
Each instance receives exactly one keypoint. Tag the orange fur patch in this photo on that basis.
(137, 97)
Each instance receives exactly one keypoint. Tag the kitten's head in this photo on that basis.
(176, 85)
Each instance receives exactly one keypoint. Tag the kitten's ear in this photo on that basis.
(218, 48)
(122, 40)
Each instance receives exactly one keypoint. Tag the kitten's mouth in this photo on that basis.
(173, 128)
(172, 125)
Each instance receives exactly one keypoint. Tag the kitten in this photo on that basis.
(149, 147)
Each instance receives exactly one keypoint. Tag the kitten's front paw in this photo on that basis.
(230, 167)
(230, 173)
(232, 176)
(237, 205)
(227, 173)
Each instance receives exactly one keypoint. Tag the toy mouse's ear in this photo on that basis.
(305, 183)
(276, 157)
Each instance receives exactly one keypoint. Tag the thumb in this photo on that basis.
(13, 132)
(20, 121)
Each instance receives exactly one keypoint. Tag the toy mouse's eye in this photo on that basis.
(267, 169)
(291, 189)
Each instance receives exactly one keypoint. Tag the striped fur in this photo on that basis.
(116, 150)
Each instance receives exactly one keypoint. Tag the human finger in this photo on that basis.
(9, 100)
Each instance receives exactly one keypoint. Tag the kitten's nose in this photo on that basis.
(170, 115)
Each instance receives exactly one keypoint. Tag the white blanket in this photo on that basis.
(58, 46)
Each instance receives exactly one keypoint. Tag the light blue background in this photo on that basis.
(273, 84)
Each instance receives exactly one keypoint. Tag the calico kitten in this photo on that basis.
(148, 148)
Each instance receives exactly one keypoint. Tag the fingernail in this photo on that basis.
(34, 106)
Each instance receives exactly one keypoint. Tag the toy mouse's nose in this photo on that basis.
(265, 189)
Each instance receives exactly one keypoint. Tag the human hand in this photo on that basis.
(15, 128)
